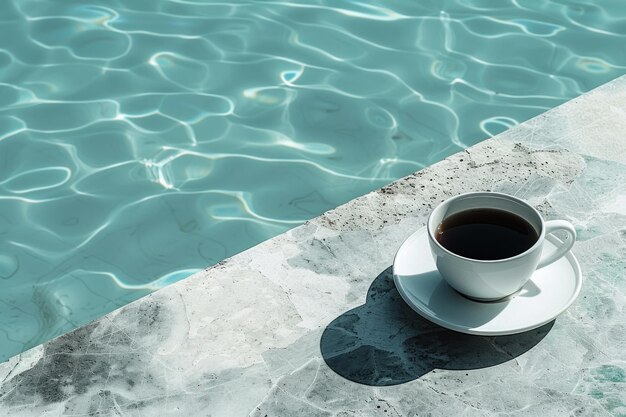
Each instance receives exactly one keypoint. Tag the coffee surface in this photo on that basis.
(486, 234)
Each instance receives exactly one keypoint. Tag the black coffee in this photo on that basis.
(486, 234)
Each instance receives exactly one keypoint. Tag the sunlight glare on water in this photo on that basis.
(141, 141)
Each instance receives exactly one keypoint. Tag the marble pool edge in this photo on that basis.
(289, 286)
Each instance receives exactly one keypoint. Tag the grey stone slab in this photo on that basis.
(309, 323)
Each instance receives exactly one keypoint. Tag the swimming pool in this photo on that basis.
(143, 141)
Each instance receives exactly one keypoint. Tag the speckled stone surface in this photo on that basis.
(310, 324)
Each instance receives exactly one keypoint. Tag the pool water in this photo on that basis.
(141, 141)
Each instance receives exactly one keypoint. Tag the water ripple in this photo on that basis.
(143, 141)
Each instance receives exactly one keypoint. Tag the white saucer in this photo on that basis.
(547, 294)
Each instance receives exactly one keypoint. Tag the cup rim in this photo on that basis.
(487, 194)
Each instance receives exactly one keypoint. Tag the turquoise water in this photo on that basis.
(141, 141)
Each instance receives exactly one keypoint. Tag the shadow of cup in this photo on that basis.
(384, 342)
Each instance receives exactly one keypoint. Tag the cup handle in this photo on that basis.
(552, 226)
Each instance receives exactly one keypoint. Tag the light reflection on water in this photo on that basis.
(143, 141)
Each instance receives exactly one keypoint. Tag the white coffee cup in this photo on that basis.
(489, 280)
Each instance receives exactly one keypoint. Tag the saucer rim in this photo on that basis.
(463, 329)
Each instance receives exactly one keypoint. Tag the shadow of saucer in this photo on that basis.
(384, 342)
